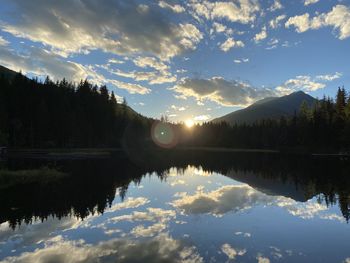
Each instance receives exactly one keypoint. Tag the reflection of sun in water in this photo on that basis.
(189, 123)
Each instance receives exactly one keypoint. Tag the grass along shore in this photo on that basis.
(44, 175)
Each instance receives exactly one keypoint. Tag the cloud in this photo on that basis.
(152, 77)
(330, 77)
(239, 61)
(115, 61)
(41, 62)
(260, 36)
(276, 6)
(242, 11)
(151, 62)
(275, 23)
(307, 83)
(130, 87)
(174, 8)
(219, 28)
(338, 18)
(221, 91)
(112, 26)
(230, 43)
(310, 2)
(231, 252)
(3, 42)
(162, 248)
(202, 118)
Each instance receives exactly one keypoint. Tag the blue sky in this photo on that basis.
(195, 59)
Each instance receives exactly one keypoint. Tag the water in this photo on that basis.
(192, 208)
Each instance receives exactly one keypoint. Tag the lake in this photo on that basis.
(183, 207)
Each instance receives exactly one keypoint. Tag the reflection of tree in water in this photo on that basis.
(93, 184)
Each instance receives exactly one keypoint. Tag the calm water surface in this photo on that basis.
(240, 209)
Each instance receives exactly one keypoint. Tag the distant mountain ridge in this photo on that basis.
(268, 108)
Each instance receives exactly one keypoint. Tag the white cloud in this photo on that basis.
(151, 62)
(276, 6)
(42, 63)
(152, 77)
(202, 118)
(239, 61)
(230, 43)
(307, 83)
(112, 26)
(330, 77)
(261, 36)
(219, 28)
(275, 23)
(338, 18)
(174, 8)
(231, 252)
(242, 11)
(221, 91)
(3, 42)
(310, 2)
(115, 61)
(130, 87)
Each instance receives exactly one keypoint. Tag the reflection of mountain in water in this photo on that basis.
(271, 186)
(92, 186)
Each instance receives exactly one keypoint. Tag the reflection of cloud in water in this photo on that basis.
(231, 252)
(129, 203)
(237, 198)
(262, 259)
(30, 234)
(223, 200)
(152, 214)
(177, 182)
(142, 231)
(159, 249)
(158, 215)
(243, 234)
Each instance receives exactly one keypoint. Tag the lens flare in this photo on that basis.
(163, 135)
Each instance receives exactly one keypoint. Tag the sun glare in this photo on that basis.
(189, 123)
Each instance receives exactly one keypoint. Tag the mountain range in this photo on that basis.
(268, 108)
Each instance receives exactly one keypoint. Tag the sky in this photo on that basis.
(195, 59)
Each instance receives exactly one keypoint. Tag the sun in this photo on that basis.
(189, 123)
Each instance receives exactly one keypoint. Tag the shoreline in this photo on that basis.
(96, 153)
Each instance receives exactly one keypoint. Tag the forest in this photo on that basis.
(35, 114)
(323, 127)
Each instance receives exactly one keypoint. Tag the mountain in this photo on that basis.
(268, 108)
(8, 73)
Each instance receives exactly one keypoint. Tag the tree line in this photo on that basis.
(35, 114)
(62, 114)
(324, 126)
